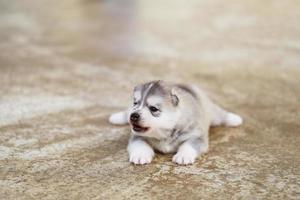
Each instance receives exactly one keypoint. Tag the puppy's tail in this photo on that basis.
(119, 118)
(223, 117)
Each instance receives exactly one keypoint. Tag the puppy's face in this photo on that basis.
(154, 108)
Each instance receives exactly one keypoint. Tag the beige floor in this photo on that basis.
(66, 65)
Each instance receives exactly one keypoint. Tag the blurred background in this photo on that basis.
(65, 65)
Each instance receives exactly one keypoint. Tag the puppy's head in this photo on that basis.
(154, 108)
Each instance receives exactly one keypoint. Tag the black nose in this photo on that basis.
(134, 117)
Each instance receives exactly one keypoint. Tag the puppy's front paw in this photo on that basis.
(183, 159)
(140, 152)
(141, 158)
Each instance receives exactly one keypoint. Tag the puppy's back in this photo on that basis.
(197, 102)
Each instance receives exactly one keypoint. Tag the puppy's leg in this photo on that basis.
(223, 117)
(119, 118)
(140, 152)
(190, 150)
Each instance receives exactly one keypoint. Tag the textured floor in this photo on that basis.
(66, 65)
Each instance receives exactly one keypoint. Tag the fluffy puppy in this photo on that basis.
(171, 119)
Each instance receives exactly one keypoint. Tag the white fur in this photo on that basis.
(186, 155)
(165, 121)
(137, 95)
(216, 121)
(119, 118)
(233, 120)
(154, 100)
(140, 152)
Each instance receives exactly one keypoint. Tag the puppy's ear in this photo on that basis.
(174, 97)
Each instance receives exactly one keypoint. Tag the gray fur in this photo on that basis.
(150, 89)
(188, 90)
(156, 89)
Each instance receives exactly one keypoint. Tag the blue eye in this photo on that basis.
(153, 109)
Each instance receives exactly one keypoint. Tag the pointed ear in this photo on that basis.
(174, 97)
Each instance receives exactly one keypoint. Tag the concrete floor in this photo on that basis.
(66, 65)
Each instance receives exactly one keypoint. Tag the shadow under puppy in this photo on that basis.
(171, 118)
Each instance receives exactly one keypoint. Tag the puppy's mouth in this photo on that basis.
(138, 128)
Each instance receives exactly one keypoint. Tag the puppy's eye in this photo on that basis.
(153, 109)
(135, 103)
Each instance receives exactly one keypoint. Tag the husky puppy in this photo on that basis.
(171, 119)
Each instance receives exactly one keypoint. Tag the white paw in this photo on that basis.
(140, 152)
(183, 159)
(119, 118)
(141, 158)
(185, 155)
(233, 120)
